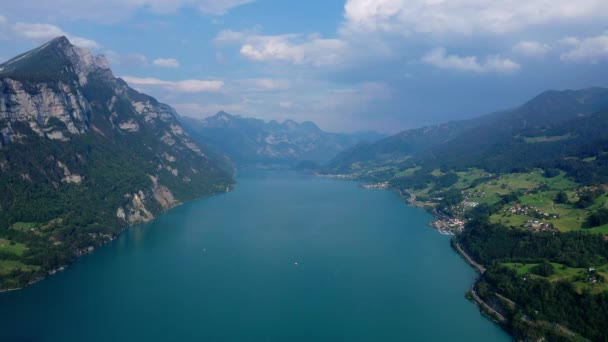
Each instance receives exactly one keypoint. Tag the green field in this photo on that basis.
(466, 178)
(545, 138)
(570, 218)
(564, 273)
(491, 191)
(408, 172)
(14, 248)
(24, 226)
(6, 266)
(437, 173)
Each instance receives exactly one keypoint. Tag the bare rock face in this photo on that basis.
(162, 194)
(39, 105)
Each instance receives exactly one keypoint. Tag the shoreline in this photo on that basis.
(484, 307)
(443, 224)
(86, 251)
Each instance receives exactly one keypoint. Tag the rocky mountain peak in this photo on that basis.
(57, 59)
(84, 155)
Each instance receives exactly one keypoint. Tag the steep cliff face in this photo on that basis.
(82, 156)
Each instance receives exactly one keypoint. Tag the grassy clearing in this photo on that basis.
(13, 248)
(466, 178)
(578, 276)
(510, 220)
(570, 217)
(600, 230)
(547, 138)
(24, 226)
(408, 172)
(491, 191)
(437, 173)
(6, 266)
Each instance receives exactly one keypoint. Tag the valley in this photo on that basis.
(524, 195)
(250, 142)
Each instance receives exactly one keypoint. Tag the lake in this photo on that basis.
(284, 257)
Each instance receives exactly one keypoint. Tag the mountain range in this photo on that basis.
(251, 142)
(551, 126)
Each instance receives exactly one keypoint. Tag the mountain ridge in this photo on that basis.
(83, 156)
(442, 141)
(250, 141)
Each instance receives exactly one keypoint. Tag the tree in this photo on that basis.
(598, 218)
(561, 197)
(545, 269)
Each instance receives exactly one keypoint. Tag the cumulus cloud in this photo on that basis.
(166, 63)
(440, 59)
(129, 59)
(41, 32)
(194, 109)
(219, 7)
(113, 10)
(263, 84)
(591, 49)
(185, 86)
(465, 16)
(531, 49)
(285, 104)
(3, 30)
(291, 48)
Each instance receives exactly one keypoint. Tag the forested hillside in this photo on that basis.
(83, 156)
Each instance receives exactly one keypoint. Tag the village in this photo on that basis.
(378, 186)
(449, 226)
(538, 224)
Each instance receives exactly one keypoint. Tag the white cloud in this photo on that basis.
(465, 16)
(198, 110)
(3, 30)
(219, 7)
(531, 49)
(128, 59)
(263, 84)
(291, 48)
(440, 59)
(83, 42)
(569, 41)
(112, 10)
(166, 63)
(185, 86)
(591, 49)
(40, 32)
(285, 104)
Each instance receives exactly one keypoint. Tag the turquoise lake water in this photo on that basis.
(285, 257)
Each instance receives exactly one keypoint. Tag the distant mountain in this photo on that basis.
(82, 156)
(484, 141)
(249, 141)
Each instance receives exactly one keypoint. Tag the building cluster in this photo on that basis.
(449, 226)
(381, 186)
(542, 226)
(519, 209)
(468, 204)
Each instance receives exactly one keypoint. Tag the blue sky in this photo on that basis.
(348, 65)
